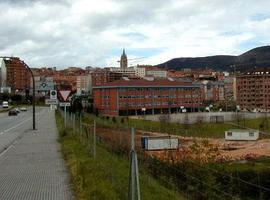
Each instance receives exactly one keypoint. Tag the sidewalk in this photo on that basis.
(33, 168)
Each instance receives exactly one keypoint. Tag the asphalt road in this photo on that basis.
(12, 127)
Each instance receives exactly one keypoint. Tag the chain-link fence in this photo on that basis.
(192, 180)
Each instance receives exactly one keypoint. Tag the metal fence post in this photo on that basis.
(134, 184)
(80, 123)
(73, 120)
(65, 117)
(94, 146)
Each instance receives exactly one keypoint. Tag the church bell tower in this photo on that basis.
(123, 60)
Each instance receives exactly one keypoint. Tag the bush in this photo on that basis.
(4, 96)
(96, 112)
(16, 98)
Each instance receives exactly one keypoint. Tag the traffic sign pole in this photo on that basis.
(65, 116)
(64, 94)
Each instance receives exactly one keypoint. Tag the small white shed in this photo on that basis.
(159, 143)
(241, 134)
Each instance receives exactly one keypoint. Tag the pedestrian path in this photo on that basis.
(32, 167)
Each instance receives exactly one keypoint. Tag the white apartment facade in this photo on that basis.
(84, 84)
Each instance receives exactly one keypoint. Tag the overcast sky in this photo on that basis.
(82, 33)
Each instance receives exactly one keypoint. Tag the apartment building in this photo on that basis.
(104, 76)
(84, 84)
(253, 90)
(16, 75)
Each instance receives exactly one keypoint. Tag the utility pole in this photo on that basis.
(134, 183)
(33, 96)
(80, 124)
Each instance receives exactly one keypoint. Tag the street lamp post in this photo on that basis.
(33, 96)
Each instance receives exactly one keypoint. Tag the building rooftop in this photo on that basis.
(241, 130)
(148, 83)
(258, 71)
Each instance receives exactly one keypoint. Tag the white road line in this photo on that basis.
(11, 145)
(3, 152)
(15, 126)
(1, 133)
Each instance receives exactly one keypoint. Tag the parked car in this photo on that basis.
(17, 110)
(23, 109)
(12, 112)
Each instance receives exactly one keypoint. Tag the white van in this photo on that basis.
(5, 104)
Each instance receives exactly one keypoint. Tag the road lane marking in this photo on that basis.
(22, 122)
(5, 150)
(15, 126)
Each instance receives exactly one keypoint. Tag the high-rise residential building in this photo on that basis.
(3, 74)
(17, 75)
(253, 90)
(230, 88)
(213, 91)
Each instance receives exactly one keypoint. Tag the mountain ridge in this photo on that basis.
(256, 57)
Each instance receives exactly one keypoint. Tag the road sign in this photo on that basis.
(53, 107)
(64, 94)
(51, 101)
(44, 85)
(53, 94)
(64, 103)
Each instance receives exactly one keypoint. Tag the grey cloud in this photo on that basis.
(132, 12)
(29, 2)
(44, 32)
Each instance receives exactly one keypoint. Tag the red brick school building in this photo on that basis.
(140, 96)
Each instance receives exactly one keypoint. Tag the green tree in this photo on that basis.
(4, 96)
(17, 98)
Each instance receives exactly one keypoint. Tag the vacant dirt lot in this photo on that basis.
(191, 147)
(229, 150)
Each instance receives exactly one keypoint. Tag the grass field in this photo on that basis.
(204, 130)
(262, 123)
(105, 177)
